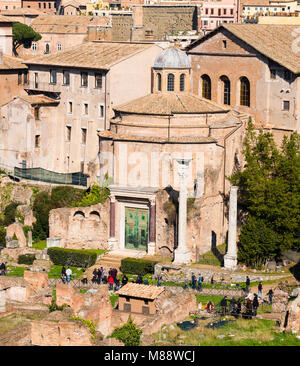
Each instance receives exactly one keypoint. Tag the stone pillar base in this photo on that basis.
(112, 244)
(230, 261)
(151, 248)
(182, 257)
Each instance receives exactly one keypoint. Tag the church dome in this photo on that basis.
(172, 58)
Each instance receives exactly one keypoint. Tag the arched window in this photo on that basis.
(170, 84)
(244, 91)
(206, 87)
(182, 82)
(159, 82)
(79, 215)
(225, 89)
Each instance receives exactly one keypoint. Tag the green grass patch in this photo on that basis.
(240, 332)
(113, 299)
(213, 258)
(55, 271)
(15, 271)
(40, 245)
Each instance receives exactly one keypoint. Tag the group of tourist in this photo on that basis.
(194, 283)
(66, 274)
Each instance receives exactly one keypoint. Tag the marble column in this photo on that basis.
(182, 254)
(151, 243)
(230, 259)
(112, 241)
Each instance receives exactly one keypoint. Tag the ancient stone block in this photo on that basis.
(17, 229)
(37, 280)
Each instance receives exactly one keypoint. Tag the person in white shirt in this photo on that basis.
(68, 274)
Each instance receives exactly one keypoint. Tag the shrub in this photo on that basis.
(2, 236)
(41, 208)
(26, 259)
(54, 307)
(64, 196)
(95, 195)
(129, 334)
(9, 214)
(72, 257)
(137, 266)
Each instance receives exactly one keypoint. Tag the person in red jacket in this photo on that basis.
(111, 283)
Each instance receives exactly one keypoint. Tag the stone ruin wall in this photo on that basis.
(81, 227)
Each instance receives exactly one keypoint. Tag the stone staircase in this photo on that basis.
(112, 259)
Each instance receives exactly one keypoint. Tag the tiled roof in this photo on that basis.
(4, 19)
(22, 11)
(93, 55)
(66, 23)
(156, 139)
(10, 63)
(140, 291)
(170, 103)
(38, 99)
(277, 42)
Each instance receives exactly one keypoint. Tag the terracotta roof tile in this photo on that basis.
(10, 63)
(38, 99)
(277, 42)
(170, 103)
(93, 55)
(22, 11)
(66, 23)
(140, 291)
(156, 139)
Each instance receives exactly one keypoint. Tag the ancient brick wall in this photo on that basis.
(159, 20)
(121, 27)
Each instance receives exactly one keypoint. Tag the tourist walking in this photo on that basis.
(209, 306)
(2, 269)
(124, 279)
(270, 295)
(223, 304)
(260, 288)
(194, 281)
(186, 284)
(200, 280)
(247, 284)
(139, 279)
(255, 304)
(248, 314)
(99, 276)
(111, 283)
(68, 274)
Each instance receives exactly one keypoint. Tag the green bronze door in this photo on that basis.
(136, 228)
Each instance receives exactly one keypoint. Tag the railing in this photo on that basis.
(43, 86)
(49, 176)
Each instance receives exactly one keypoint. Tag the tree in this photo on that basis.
(24, 35)
(129, 334)
(269, 196)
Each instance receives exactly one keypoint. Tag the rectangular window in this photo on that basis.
(219, 12)
(37, 113)
(36, 80)
(231, 11)
(85, 109)
(66, 77)
(25, 80)
(224, 43)
(101, 111)
(70, 107)
(83, 136)
(84, 79)
(52, 76)
(206, 11)
(286, 105)
(34, 46)
(224, 11)
(211, 11)
(59, 47)
(98, 81)
(69, 131)
(37, 141)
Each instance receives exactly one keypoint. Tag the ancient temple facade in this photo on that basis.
(142, 151)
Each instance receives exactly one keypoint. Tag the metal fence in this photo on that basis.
(49, 176)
